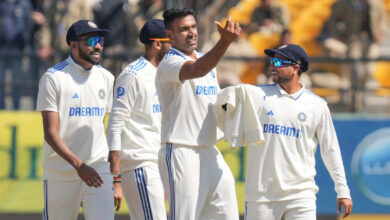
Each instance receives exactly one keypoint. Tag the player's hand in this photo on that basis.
(118, 194)
(230, 32)
(347, 204)
(89, 175)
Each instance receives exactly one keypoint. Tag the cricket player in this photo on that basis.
(197, 180)
(134, 136)
(74, 97)
(280, 172)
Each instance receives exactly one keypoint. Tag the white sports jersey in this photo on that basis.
(81, 98)
(186, 106)
(135, 120)
(283, 167)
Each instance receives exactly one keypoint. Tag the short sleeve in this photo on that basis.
(169, 69)
(47, 94)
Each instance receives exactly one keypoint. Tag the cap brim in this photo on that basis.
(160, 39)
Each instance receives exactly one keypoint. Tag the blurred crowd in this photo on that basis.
(32, 38)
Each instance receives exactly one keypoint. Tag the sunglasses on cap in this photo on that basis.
(277, 62)
(93, 40)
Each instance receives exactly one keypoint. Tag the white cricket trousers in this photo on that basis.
(144, 193)
(198, 183)
(64, 198)
(297, 209)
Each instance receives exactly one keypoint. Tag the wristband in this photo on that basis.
(116, 175)
(117, 181)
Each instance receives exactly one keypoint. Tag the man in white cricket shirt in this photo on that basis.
(280, 172)
(197, 180)
(73, 98)
(133, 131)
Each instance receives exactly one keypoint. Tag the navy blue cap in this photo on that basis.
(153, 29)
(82, 27)
(293, 52)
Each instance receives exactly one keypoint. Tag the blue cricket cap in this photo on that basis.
(82, 27)
(153, 29)
(293, 52)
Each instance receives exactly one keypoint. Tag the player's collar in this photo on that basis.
(78, 67)
(185, 56)
(294, 95)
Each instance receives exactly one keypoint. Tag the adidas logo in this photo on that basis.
(75, 96)
(270, 113)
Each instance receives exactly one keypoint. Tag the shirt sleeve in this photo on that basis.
(47, 95)
(169, 70)
(110, 92)
(330, 153)
(125, 96)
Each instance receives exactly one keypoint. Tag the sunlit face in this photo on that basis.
(183, 33)
(285, 73)
(89, 53)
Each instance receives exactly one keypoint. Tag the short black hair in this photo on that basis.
(176, 12)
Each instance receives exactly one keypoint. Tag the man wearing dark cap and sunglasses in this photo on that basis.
(280, 172)
(134, 128)
(74, 97)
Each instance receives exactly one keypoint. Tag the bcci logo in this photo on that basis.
(102, 93)
(371, 166)
(302, 116)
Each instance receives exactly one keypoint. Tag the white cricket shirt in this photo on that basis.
(283, 167)
(135, 120)
(187, 115)
(81, 98)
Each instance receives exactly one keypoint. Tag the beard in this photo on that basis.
(89, 57)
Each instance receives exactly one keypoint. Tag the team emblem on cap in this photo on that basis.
(302, 116)
(283, 46)
(91, 24)
(102, 93)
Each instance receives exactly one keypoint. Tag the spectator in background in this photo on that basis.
(140, 13)
(15, 26)
(270, 17)
(60, 15)
(39, 48)
(125, 19)
(232, 65)
(354, 30)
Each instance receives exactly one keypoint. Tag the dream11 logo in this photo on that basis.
(371, 166)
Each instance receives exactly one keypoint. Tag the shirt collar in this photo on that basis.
(294, 95)
(78, 67)
(185, 55)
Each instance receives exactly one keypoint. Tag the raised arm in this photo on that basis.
(202, 66)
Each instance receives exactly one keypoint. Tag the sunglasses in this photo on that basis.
(92, 41)
(277, 62)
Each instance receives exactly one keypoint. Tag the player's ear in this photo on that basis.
(157, 44)
(297, 68)
(73, 45)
